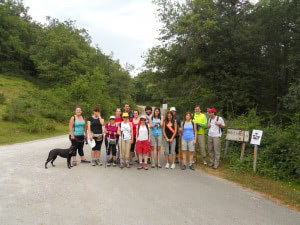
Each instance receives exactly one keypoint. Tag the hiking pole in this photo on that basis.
(157, 151)
(106, 152)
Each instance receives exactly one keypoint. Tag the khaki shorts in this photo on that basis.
(156, 140)
(187, 145)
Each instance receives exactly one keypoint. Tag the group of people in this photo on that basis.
(128, 133)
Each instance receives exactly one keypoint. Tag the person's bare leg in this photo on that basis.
(184, 157)
(173, 158)
(140, 158)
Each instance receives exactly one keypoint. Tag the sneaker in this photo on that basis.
(183, 167)
(127, 165)
(130, 163)
(153, 165)
(167, 166)
(85, 161)
(148, 161)
(158, 165)
(74, 163)
(94, 163)
(192, 167)
(121, 165)
(99, 162)
(114, 164)
(204, 162)
(140, 166)
(108, 164)
(173, 166)
(177, 161)
(145, 166)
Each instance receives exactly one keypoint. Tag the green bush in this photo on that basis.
(39, 125)
(278, 154)
(2, 99)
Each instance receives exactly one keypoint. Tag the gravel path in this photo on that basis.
(30, 194)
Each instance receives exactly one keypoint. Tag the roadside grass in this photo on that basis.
(283, 192)
(11, 133)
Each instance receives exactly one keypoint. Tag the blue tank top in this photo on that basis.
(156, 131)
(79, 128)
(188, 133)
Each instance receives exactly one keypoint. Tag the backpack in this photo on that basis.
(139, 130)
(193, 124)
(220, 128)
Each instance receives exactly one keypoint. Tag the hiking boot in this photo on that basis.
(111, 160)
(173, 166)
(128, 165)
(204, 162)
(167, 166)
(145, 166)
(158, 165)
(94, 163)
(183, 167)
(114, 164)
(177, 161)
(153, 165)
(192, 167)
(148, 161)
(122, 165)
(74, 163)
(85, 161)
(99, 162)
(108, 164)
(140, 166)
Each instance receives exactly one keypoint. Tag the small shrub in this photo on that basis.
(39, 125)
(2, 98)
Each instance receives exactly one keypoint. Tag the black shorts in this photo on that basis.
(98, 145)
(111, 148)
(133, 145)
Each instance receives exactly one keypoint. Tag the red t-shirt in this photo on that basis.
(134, 127)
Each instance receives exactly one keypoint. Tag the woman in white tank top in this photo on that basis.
(143, 143)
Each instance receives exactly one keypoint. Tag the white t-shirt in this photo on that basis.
(215, 130)
(143, 133)
(126, 131)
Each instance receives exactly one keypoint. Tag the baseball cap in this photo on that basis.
(173, 109)
(125, 114)
(212, 110)
(143, 117)
(112, 118)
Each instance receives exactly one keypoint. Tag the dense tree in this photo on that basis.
(229, 54)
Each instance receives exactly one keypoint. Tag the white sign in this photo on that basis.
(256, 137)
(165, 106)
(237, 135)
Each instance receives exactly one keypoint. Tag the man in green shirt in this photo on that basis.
(201, 121)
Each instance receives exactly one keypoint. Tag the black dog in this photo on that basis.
(65, 153)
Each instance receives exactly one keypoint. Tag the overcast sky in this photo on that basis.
(125, 27)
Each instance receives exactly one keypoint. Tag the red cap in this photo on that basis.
(212, 110)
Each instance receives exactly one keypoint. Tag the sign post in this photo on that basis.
(255, 140)
(237, 135)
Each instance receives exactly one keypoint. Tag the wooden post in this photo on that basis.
(255, 158)
(226, 148)
(243, 150)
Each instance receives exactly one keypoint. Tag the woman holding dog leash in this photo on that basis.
(77, 128)
(95, 128)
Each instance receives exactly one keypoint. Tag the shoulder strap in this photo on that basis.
(193, 127)
(217, 118)
(74, 123)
